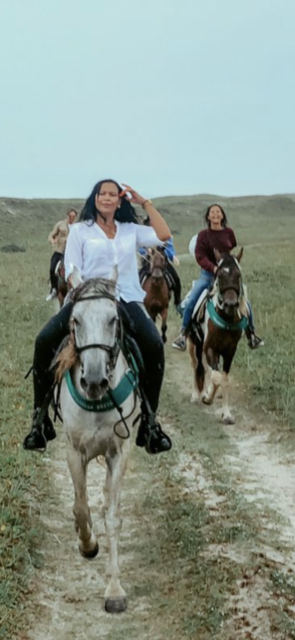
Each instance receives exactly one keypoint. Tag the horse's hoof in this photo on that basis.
(206, 400)
(115, 605)
(228, 420)
(90, 553)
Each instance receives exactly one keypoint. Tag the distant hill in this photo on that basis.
(252, 217)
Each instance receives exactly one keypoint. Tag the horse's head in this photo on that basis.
(96, 330)
(229, 281)
(158, 262)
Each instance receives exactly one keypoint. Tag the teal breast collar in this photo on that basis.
(125, 387)
(222, 324)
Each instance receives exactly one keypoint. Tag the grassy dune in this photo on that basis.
(263, 225)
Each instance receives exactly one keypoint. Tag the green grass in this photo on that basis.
(194, 595)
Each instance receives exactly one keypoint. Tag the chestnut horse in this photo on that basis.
(218, 334)
(157, 290)
(62, 287)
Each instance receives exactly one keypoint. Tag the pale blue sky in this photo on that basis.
(171, 96)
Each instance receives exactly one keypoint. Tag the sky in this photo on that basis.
(174, 97)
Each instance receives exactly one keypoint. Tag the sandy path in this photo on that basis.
(69, 596)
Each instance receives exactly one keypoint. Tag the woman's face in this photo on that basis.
(107, 201)
(215, 216)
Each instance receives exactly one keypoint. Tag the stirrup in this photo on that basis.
(151, 435)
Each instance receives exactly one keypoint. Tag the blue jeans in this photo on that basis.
(205, 281)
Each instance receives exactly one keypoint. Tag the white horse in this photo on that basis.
(98, 405)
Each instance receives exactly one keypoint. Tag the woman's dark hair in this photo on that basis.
(206, 216)
(124, 213)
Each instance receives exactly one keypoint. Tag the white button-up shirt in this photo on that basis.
(95, 255)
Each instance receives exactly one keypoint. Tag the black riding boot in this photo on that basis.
(150, 434)
(254, 342)
(41, 432)
(42, 429)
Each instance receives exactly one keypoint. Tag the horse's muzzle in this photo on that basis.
(157, 273)
(94, 390)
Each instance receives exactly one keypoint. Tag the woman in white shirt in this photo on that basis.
(107, 236)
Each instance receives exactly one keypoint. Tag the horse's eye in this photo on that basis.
(113, 320)
(76, 322)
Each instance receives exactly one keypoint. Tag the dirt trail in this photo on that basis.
(69, 594)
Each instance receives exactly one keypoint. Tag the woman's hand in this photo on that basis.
(134, 197)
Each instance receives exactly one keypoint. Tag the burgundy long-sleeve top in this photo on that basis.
(208, 240)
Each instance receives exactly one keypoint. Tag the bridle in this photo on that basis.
(162, 267)
(238, 290)
(114, 350)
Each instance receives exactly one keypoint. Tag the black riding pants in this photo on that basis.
(141, 328)
(55, 258)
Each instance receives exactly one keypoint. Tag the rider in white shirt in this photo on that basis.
(107, 235)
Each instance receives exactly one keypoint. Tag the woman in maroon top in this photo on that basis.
(216, 236)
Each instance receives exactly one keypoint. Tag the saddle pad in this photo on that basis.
(200, 307)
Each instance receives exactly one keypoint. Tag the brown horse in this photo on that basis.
(62, 287)
(218, 334)
(156, 287)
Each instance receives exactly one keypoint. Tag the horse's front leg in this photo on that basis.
(164, 316)
(88, 545)
(213, 377)
(115, 596)
(195, 353)
(227, 417)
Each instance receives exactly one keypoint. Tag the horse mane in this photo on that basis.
(66, 359)
(68, 356)
(95, 286)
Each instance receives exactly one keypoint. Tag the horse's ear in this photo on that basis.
(218, 255)
(240, 254)
(114, 273)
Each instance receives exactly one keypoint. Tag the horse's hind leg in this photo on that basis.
(115, 596)
(195, 353)
(88, 545)
(164, 316)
